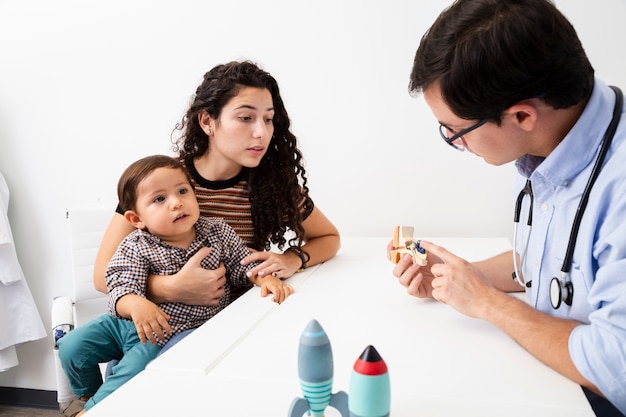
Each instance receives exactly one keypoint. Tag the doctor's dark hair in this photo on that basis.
(279, 195)
(137, 172)
(490, 54)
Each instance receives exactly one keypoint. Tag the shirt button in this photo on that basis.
(537, 263)
(544, 207)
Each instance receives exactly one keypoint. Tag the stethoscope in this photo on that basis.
(562, 290)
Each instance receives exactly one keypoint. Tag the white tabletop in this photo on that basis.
(441, 363)
(225, 330)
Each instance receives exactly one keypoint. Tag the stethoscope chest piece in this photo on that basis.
(560, 292)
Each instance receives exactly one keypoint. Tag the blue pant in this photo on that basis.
(175, 339)
(100, 340)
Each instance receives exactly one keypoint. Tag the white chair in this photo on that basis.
(87, 226)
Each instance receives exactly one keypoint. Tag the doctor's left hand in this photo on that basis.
(415, 278)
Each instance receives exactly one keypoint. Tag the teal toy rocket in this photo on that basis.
(370, 388)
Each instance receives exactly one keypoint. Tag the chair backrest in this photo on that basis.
(87, 226)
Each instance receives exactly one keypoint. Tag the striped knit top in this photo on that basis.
(228, 199)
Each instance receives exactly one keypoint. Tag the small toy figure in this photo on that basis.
(403, 243)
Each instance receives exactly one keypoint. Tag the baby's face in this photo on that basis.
(167, 205)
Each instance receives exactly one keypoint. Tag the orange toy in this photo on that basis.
(403, 243)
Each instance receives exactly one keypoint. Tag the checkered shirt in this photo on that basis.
(141, 254)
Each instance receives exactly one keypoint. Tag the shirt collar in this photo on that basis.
(579, 147)
(200, 239)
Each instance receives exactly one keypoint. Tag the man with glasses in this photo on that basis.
(508, 80)
(456, 139)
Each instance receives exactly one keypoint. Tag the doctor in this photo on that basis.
(508, 80)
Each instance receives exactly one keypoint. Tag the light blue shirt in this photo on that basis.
(598, 271)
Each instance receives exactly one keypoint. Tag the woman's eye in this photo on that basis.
(269, 121)
(245, 118)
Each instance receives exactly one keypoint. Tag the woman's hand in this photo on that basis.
(279, 265)
(191, 285)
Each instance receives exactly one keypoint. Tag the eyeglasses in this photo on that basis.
(456, 140)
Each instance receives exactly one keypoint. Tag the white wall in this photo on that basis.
(87, 87)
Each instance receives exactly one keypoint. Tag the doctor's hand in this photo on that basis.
(415, 278)
(458, 283)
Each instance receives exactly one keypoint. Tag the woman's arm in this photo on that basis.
(117, 230)
(321, 238)
(191, 285)
(321, 242)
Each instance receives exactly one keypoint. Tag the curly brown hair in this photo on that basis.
(278, 185)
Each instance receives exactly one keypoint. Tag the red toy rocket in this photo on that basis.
(370, 389)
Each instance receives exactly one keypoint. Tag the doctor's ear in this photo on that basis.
(524, 114)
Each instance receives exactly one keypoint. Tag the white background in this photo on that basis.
(87, 87)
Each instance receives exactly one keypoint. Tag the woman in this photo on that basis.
(246, 167)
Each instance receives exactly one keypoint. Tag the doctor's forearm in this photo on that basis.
(543, 336)
(498, 270)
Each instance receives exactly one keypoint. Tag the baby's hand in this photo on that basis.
(149, 320)
(276, 286)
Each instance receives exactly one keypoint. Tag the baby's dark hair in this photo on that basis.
(137, 172)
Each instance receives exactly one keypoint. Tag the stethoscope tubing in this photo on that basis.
(606, 143)
(582, 205)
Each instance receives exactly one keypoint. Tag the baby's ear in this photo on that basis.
(134, 219)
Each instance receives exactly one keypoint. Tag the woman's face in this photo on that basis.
(241, 135)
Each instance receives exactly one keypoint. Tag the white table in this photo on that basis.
(441, 363)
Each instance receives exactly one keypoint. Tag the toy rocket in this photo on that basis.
(403, 243)
(370, 389)
(315, 369)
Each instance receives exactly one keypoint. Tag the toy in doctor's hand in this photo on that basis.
(403, 243)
